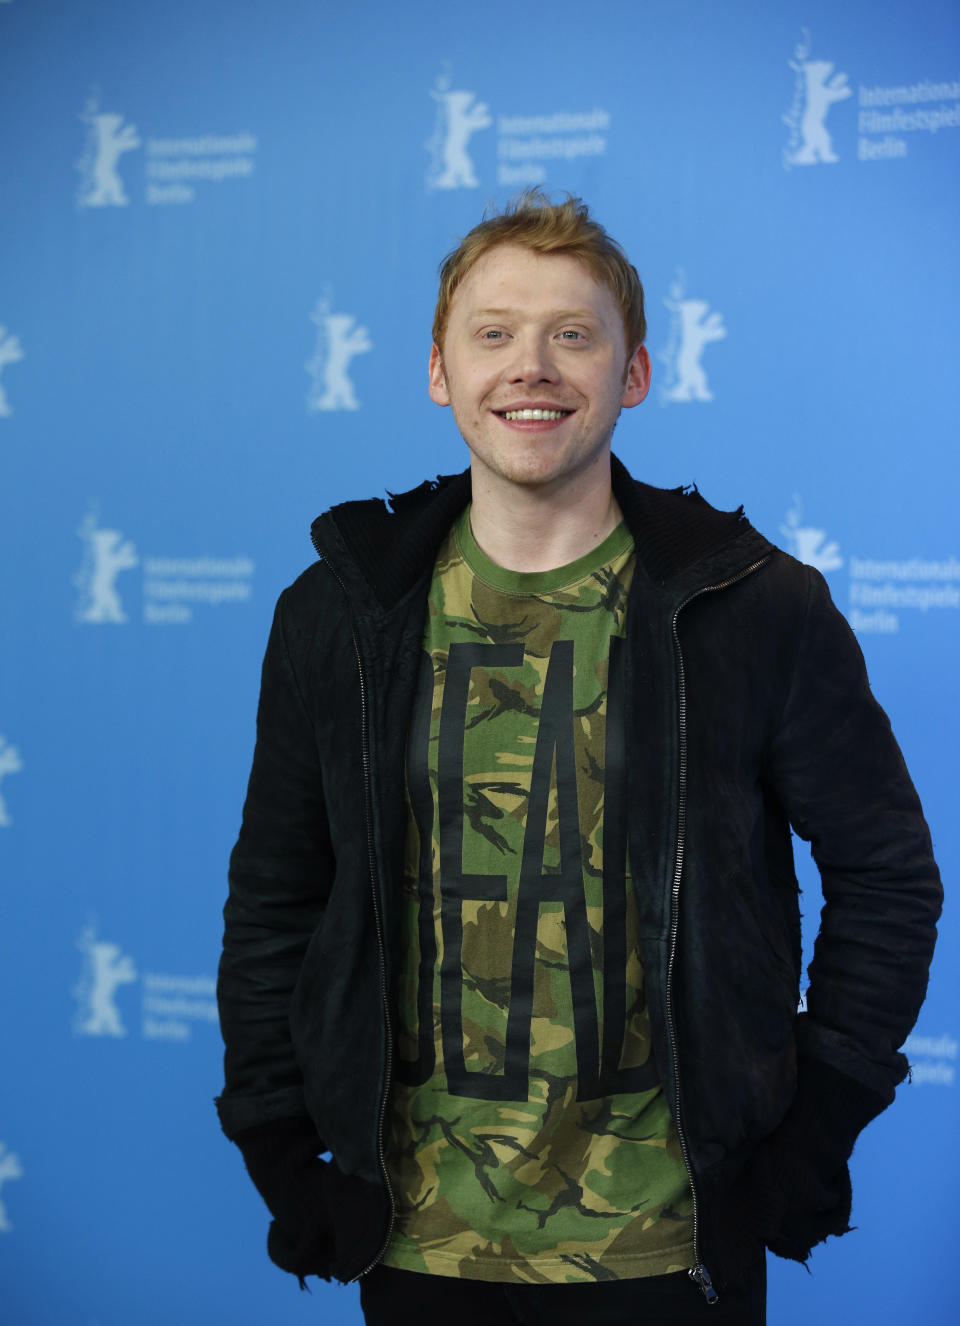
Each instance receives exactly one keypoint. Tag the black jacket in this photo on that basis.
(748, 712)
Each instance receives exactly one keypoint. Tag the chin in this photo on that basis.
(536, 468)
(530, 471)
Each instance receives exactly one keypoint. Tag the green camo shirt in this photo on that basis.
(529, 1137)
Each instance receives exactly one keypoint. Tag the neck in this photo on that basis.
(538, 528)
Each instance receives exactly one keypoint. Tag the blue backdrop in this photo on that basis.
(221, 229)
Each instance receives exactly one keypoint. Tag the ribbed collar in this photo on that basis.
(616, 545)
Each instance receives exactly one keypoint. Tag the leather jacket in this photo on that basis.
(748, 714)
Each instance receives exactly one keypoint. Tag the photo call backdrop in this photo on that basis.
(221, 229)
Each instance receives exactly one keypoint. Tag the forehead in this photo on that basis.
(511, 277)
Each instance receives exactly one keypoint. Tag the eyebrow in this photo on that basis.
(559, 313)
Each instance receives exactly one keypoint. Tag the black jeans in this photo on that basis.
(406, 1298)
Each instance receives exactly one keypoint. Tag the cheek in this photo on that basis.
(474, 388)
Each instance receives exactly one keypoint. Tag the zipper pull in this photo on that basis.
(701, 1278)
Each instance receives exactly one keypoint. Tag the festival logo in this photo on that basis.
(816, 88)
(108, 138)
(527, 145)
(888, 115)
(171, 1004)
(459, 116)
(808, 543)
(10, 1168)
(10, 353)
(105, 969)
(338, 340)
(887, 592)
(10, 762)
(171, 588)
(172, 170)
(884, 594)
(692, 327)
(106, 554)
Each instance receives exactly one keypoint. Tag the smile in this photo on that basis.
(514, 415)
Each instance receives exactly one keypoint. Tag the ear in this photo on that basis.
(638, 378)
(437, 382)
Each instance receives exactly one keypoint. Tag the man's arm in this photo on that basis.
(841, 777)
(280, 873)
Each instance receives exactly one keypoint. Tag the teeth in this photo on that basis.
(535, 414)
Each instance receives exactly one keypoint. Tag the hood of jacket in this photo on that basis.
(380, 550)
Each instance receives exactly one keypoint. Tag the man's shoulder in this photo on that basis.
(390, 544)
(309, 610)
(678, 534)
(372, 515)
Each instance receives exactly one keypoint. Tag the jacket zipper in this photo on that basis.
(372, 863)
(698, 1272)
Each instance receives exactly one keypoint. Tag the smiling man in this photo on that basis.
(512, 953)
(537, 367)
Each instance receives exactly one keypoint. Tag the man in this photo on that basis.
(513, 928)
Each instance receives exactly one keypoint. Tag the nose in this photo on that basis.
(532, 361)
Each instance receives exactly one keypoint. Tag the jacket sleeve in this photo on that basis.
(280, 873)
(842, 779)
(843, 782)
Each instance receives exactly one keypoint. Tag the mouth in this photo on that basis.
(534, 415)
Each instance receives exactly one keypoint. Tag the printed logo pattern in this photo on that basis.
(106, 968)
(808, 543)
(817, 88)
(886, 113)
(106, 554)
(108, 138)
(171, 588)
(10, 763)
(879, 589)
(173, 167)
(525, 144)
(170, 1004)
(10, 1168)
(693, 326)
(459, 116)
(10, 353)
(339, 339)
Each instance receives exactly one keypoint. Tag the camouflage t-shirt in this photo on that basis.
(529, 1137)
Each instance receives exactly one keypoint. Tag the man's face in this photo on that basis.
(534, 365)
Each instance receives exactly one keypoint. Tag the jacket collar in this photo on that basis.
(680, 539)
